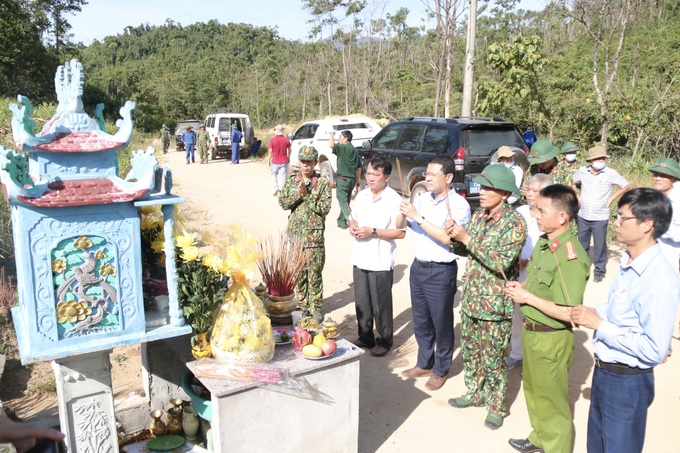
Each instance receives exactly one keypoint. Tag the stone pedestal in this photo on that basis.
(86, 410)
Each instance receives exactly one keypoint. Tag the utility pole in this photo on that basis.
(466, 109)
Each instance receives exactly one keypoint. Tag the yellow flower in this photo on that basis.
(100, 255)
(147, 223)
(72, 311)
(211, 261)
(190, 253)
(159, 223)
(185, 240)
(158, 246)
(83, 243)
(587, 100)
(107, 269)
(627, 117)
(147, 210)
(58, 266)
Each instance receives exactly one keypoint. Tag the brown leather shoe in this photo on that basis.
(362, 344)
(415, 372)
(379, 351)
(435, 382)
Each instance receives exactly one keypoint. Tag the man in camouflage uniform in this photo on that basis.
(493, 240)
(543, 160)
(164, 136)
(203, 141)
(556, 280)
(309, 199)
(567, 165)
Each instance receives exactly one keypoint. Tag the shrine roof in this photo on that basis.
(82, 192)
(79, 142)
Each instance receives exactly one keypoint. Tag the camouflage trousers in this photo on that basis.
(483, 347)
(203, 153)
(309, 286)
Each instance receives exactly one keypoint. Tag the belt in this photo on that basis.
(620, 368)
(541, 328)
(433, 263)
(344, 177)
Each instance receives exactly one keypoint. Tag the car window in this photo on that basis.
(312, 130)
(435, 139)
(410, 138)
(484, 142)
(347, 127)
(387, 138)
(224, 125)
(301, 133)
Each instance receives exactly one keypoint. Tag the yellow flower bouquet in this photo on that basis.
(242, 331)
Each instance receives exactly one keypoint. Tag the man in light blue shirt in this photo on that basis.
(434, 270)
(633, 330)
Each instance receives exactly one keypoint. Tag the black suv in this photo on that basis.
(471, 141)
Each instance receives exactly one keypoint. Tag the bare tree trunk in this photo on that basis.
(468, 77)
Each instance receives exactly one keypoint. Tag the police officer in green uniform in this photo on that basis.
(308, 198)
(557, 275)
(202, 141)
(493, 241)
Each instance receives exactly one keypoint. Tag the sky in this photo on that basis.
(100, 18)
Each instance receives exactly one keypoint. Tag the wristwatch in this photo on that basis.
(374, 233)
(422, 219)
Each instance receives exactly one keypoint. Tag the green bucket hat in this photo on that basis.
(569, 147)
(497, 176)
(666, 166)
(542, 151)
(308, 153)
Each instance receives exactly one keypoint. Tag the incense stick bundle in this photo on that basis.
(281, 264)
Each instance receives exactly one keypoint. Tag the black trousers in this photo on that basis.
(432, 292)
(373, 300)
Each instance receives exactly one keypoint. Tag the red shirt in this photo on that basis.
(279, 145)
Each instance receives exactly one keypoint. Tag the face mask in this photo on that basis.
(570, 157)
(510, 165)
(599, 165)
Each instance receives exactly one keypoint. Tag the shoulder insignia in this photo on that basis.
(570, 251)
(517, 234)
(554, 245)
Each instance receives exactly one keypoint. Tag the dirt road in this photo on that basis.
(398, 415)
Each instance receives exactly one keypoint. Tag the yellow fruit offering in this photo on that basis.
(318, 340)
(312, 351)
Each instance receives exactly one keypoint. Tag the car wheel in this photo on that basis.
(326, 171)
(418, 189)
(213, 152)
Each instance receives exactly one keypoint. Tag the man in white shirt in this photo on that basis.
(434, 270)
(373, 227)
(665, 177)
(506, 156)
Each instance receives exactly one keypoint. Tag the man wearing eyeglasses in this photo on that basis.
(633, 330)
(434, 270)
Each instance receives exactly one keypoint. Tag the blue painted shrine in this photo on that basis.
(77, 230)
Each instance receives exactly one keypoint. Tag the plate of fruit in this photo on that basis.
(313, 345)
(283, 335)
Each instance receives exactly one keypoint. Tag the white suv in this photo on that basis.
(315, 133)
(218, 125)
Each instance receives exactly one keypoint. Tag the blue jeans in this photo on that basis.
(432, 292)
(190, 153)
(276, 169)
(598, 230)
(235, 153)
(618, 411)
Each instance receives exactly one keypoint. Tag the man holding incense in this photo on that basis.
(493, 241)
(557, 274)
(434, 270)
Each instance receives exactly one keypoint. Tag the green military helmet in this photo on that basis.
(202, 126)
(234, 126)
(308, 153)
(497, 176)
(666, 166)
(569, 147)
(164, 126)
(542, 151)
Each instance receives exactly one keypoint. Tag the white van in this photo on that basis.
(315, 133)
(218, 125)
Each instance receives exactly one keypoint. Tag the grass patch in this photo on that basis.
(46, 386)
(119, 358)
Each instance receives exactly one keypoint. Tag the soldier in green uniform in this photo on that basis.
(567, 165)
(543, 159)
(309, 199)
(203, 140)
(164, 136)
(557, 275)
(493, 241)
(348, 174)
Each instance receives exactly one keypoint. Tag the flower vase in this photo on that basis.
(190, 423)
(200, 346)
(280, 308)
(157, 426)
(175, 420)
